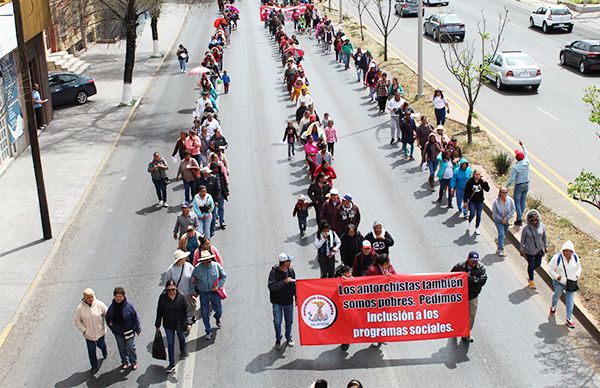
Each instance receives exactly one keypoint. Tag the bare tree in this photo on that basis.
(385, 10)
(360, 6)
(154, 7)
(469, 62)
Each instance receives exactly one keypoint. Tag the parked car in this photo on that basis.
(550, 17)
(70, 88)
(435, 2)
(514, 68)
(583, 54)
(445, 25)
(407, 8)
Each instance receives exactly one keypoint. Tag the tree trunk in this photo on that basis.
(329, 6)
(385, 47)
(154, 26)
(131, 37)
(362, 37)
(469, 125)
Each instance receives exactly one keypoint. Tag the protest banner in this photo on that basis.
(287, 11)
(401, 307)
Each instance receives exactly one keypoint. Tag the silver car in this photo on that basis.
(435, 2)
(514, 68)
(407, 8)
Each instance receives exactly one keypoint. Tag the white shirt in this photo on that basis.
(211, 126)
(439, 102)
(572, 266)
(201, 105)
(449, 172)
(393, 104)
(306, 98)
(174, 272)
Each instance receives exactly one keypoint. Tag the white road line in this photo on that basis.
(547, 114)
(516, 25)
(542, 66)
(430, 42)
(188, 365)
(408, 29)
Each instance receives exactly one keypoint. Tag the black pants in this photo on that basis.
(382, 101)
(318, 214)
(327, 266)
(39, 117)
(161, 189)
(330, 147)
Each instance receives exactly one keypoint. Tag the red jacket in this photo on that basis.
(329, 173)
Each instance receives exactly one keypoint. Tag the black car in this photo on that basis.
(70, 88)
(444, 26)
(583, 54)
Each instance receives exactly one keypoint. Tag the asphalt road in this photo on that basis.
(555, 114)
(121, 239)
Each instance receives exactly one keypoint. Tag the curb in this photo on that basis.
(58, 240)
(580, 312)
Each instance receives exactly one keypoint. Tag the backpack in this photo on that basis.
(560, 258)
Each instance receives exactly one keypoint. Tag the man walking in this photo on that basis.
(89, 319)
(282, 290)
(158, 171)
(185, 219)
(208, 277)
(477, 279)
(519, 175)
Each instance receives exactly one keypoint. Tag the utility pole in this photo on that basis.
(31, 125)
(420, 50)
(341, 14)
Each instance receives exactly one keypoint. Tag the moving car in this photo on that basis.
(550, 17)
(407, 8)
(70, 88)
(444, 25)
(514, 68)
(583, 54)
(435, 2)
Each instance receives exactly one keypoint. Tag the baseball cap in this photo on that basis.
(283, 257)
(334, 191)
(474, 256)
(366, 244)
(347, 197)
(185, 204)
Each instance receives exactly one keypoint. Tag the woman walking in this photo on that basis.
(330, 136)
(123, 321)
(565, 269)
(440, 106)
(474, 192)
(327, 244)
(203, 205)
(503, 210)
(351, 242)
(431, 150)
(534, 243)
(382, 86)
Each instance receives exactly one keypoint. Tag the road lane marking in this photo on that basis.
(188, 365)
(542, 66)
(547, 113)
(408, 29)
(429, 77)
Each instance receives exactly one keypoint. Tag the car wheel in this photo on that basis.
(582, 68)
(562, 59)
(81, 97)
(531, 23)
(499, 84)
(570, 28)
(545, 28)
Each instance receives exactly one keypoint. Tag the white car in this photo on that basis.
(435, 2)
(514, 68)
(549, 17)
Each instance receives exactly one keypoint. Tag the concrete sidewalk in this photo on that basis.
(73, 148)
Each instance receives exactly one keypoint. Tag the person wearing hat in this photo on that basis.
(330, 206)
(317, 192)
(440, 135)
(565, 269)
(207, 278)
(203, 205)
(185, 219)
(89, 319)
(180, 271)
(301, 211)
(380, 239)
(519, 175)
(124, 322)
(477, 279)
(327, 243)
(282, 291)
(346, 214)
(364, 259)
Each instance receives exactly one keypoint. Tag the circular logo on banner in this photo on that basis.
(318, 312)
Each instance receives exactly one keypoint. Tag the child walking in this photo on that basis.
(226, 81)
(290, 136)
(301, 210)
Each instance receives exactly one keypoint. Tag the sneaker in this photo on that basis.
(289, 158)
(165, 204)
(531, 284)
(93, 370)
(290, 343)
(392, 141)
(518, 222)
(468, 339)
(468, 226)
(552, 310)
(570, 324)
(159, 204)
(207, 337)
(345, 347)
(278, 344)
(171, 369)
(223, 226)
(500, 252)
(301, 233)
(184, 355)
(450, 206)
(477, 231)
(218, 323)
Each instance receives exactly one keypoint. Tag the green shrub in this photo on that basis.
(534, 203)
(501, 162)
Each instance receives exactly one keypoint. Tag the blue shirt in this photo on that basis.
(520, 171)
(225, 78)
(36, 97)
(206, 277)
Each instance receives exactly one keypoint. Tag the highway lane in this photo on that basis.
(555, 114)
(121, 239)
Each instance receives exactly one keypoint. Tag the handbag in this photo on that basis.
(220, 291)
(158, 347)
(571, 284)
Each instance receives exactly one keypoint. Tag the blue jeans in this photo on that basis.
(346, 60)
(502, 230)
(188, 188)
(445, 184)
(475, 209)
(205, 226)
(520, 195)
(302, 223)
(126, 349)
(460, 195)
(432, 165)
(161, 189)
(91, 348)
(440, 116)
(279, 313)
(208, 299)
(358, 71)
(405, 151)
(569, 297)
(221, 211)
(371, 92)
(171, 343)
(213, 222)
(182, 64)
(291, 150)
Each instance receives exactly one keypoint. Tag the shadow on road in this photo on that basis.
(520, 296)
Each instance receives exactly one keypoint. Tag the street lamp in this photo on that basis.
(420, 50)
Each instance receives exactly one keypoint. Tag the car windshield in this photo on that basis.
(450, 19)
(595, 49)
(560, 11)
(412, 2)
(519, 60)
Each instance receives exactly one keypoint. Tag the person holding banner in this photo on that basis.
(477, 279)
(282, 291)
(381, 266)
(327, 243)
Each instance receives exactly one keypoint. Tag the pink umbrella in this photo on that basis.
(231, 7)
(198, 70)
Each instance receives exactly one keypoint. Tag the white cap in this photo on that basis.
(283, 257)
(334, 191)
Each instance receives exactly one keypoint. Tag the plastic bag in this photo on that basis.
(158, 347)
(174, 159)
(424, 168)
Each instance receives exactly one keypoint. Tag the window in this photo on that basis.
(498, 60)
(66, 78)
(594, 48)
(451, 19)
(53, 80)
(560, 11)
(521, 60)
(579, 45)
(539, 10)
